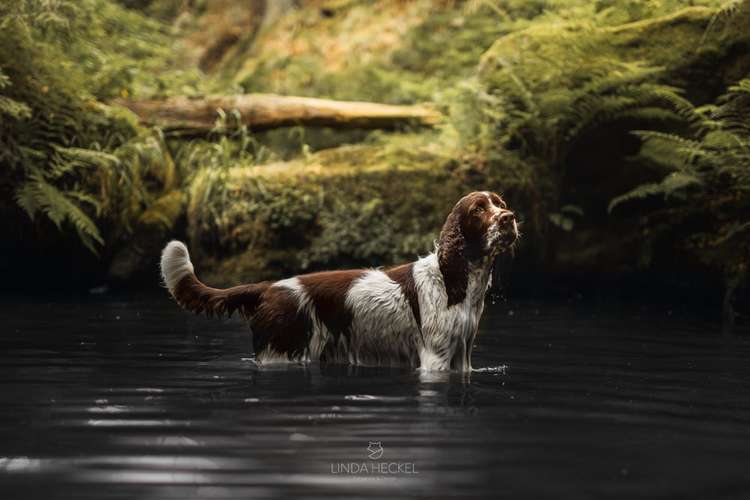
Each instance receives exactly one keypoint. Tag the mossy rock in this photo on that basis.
(364, 205)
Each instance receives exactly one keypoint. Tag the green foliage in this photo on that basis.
(9, 107)
(64, 155)
(347, 206)
(527, 88)
(547, 102)
(163, 9)
(543, 92)
(548, 92)
(438, 51)
(37, 195)
(710, 180)
(676, 182)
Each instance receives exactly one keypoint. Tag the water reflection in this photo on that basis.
(121, 399)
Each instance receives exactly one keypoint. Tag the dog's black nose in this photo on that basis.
(506, 218)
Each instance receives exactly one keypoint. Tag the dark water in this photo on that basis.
(124, 399)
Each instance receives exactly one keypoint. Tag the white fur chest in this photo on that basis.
(448, 331)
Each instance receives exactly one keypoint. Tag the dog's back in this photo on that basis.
(364, 317)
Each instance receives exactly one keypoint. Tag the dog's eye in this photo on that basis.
(477, 210)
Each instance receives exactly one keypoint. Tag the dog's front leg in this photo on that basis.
(469, 347)
(458, 360)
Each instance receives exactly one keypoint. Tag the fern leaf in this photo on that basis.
(630, 73)
(36, 195)
(667, 137)
(667, 187)
(727, 11)
(14, 109)
(88, 156)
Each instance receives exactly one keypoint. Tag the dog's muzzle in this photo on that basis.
(507, 228)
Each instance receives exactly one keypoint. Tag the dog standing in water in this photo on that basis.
(423, 314)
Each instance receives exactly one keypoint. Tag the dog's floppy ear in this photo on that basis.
(451, 259)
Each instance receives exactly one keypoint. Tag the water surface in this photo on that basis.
(108, 398)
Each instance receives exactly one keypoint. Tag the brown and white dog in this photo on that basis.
(423, 314)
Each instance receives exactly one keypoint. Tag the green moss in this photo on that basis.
(438, 47)
(361, 205)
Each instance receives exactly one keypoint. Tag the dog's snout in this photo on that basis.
(506, 218)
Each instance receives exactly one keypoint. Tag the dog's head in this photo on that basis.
(477, 230)
(479, 226)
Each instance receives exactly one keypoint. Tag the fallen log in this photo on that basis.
(200, 115)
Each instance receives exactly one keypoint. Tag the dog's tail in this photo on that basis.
(179, 277)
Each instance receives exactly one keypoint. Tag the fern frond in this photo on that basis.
(14, 109)
(517, 88)
(68, 159)
(89, 156)
(650, 115)
(36, 195)
(671, 184)
(672, 98)
(726, 12)
(684, 150)
(628, 74)
(734, 108)
(87, 199)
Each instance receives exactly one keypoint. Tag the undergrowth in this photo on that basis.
(707, 192)
(66, 157)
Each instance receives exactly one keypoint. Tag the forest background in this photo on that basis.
(619, 131)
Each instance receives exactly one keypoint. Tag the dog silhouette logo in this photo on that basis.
(375, 449)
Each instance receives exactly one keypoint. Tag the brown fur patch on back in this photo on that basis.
(327, 290)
